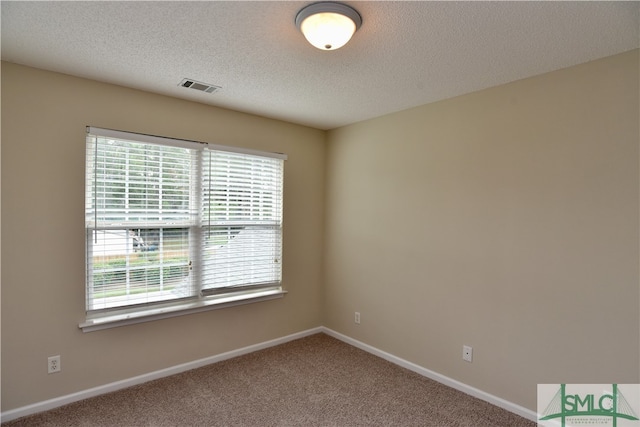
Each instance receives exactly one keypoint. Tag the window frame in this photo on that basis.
(201, 297)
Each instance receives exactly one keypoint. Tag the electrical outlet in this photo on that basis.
(53, 363)
(467, 353)
(357, 318)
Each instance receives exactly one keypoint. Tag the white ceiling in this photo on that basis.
(405, 54)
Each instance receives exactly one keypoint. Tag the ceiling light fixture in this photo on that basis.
(328, 25)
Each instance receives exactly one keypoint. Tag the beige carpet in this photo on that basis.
(313, 381)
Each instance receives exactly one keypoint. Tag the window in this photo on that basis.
(175, 226)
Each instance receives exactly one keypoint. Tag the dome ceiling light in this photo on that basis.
(328, 25)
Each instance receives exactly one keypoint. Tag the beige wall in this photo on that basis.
(505, 219)
(43, 123)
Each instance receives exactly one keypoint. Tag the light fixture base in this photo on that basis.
(329, 7)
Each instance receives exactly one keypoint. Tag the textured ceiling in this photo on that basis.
(405, 54)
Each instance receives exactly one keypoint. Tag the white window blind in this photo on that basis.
(242, 214)
(169, 221)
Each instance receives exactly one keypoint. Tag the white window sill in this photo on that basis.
(151, 314)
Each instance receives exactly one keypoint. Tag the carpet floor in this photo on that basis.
(313, 381)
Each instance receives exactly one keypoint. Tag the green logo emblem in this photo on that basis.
(594, 409)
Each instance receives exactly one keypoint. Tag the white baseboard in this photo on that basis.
(129, 382)
(472, 391)
(118, 385)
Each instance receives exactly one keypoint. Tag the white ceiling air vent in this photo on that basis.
(203, 87)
